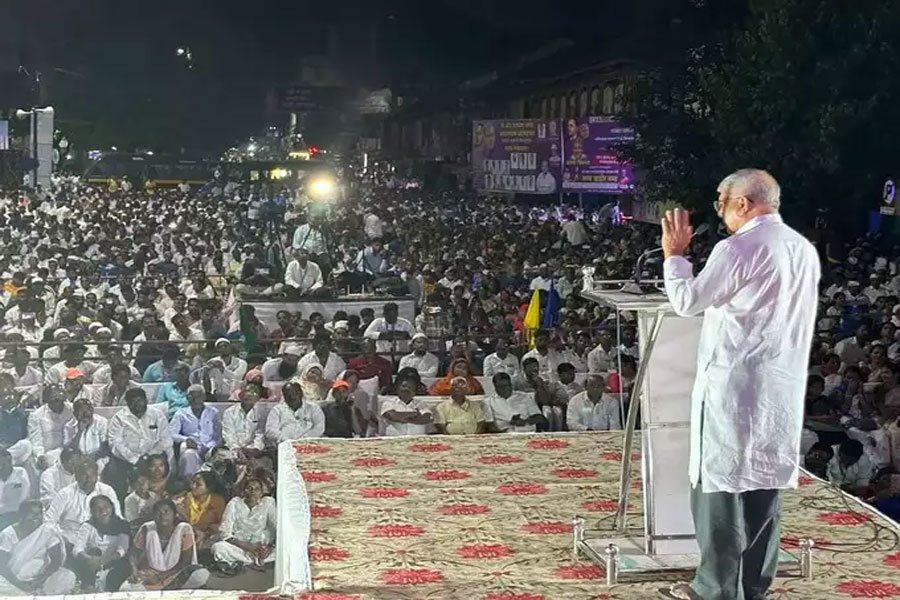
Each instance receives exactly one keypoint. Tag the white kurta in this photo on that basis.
(758, 295)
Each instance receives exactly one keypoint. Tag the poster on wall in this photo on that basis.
(590, 160)
(516, 155)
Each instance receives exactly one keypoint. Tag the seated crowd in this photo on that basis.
(142, 399)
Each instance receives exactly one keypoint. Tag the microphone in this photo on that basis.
(634, 286)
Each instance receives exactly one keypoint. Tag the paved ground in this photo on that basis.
(248, 581)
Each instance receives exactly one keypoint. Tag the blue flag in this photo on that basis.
(550, 315)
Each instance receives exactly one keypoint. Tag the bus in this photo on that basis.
(162, 170)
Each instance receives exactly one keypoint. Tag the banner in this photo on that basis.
(591, 162)
(516, 155)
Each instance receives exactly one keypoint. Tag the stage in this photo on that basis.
(490, 517)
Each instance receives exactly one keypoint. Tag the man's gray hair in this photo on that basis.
(196, 388)
(755, 185)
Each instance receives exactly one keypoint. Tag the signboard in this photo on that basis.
(301, 98)
(516, 155)
(591, 163)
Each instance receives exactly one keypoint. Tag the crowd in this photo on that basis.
(143, 301)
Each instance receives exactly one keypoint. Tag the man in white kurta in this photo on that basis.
(31, 555)
(72, 505)
(758, 296)
(45, 427)
(420, 359)
(293, 418)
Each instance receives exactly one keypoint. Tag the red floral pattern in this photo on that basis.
(395, 530)
(513, 596)
(521, 489)
(411, 576)
(580, 571)
(327, 553)
(382, 492)
(845, 517)
(547, 444)
(326, 596)
(547, 527)
(600, 505)
(318, 476)
(484, 551)
(573, 473)
(311, 448)
(617, 456)
(323, 510)
(430, 447)
(499, 459)
(866, 588)
(892, 560)
(463, 509)
(445, 475)
(374, 461)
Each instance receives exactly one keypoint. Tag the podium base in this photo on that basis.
(624, 558)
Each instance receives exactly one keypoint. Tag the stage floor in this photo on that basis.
(490, 517)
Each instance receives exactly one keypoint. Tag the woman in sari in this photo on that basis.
(248, 530)
(458, 368)
(164, 554)
(202, 506)
(312, 382)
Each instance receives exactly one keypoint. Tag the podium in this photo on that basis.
(662, 390)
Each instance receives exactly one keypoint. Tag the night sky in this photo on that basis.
(114, 73)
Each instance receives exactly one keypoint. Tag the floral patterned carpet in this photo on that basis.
(490, 518)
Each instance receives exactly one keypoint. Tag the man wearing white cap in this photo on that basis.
(284, 367)
(223, 372)
(420, 358)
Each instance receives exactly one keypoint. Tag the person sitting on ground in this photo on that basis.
(194, 429)
(138, 505)
(285, 367)
(55, 478)
(546, 355)
(202, 506)
(322, 354)
(31, 556)
(101, 546)
(457, 415)
(15, 488)
(73, 385)
(850, 468)
(248, 530)
(87, 433)
(46, 425)
(565, 373)
(71, 506)
(510, 411)
(459, 368)
(302, 275)
(420, 359)
(293, 418)
(164, 554)
(593, 409)
(405, 414)
(365, 415)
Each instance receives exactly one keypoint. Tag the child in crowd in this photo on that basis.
(139, 503)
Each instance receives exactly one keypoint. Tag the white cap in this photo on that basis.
(293, 349)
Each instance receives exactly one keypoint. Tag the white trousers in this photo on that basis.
(195, 581)
(229, 553)
(189, 460)
(60, 583)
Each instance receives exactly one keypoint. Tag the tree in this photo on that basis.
(807, 89)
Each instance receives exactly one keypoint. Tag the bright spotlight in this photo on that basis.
(180, 52)
(321, 188)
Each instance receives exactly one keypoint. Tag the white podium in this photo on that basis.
(662, 390)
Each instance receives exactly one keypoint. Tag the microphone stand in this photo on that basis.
(634, 286)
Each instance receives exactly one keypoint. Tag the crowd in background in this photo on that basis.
(142, 300)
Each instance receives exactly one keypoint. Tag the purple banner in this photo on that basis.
(516, 155)
(591, 163)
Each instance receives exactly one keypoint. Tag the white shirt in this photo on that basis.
(540, 283)
(111, 547)
(71, 507)
(45, 428)
(15, 490)
(501, 410)
(255, 525)
(333, 367)
(135, 506)
(131, 438)
(223, 380)
(582, 414)
(242, 430)
(305, 279)
(269, 370)
(92, 439)
(427, 365)
(103, 375)
(859, 474)
(309, 239)
(599, 360)
(575, 232)
(185, 425)
(547, 363)
(379, 326)
(54, 479)
(282, 423)
(30, 555)
(493, 364)
(392, 428)
(758, 293)
(29, 377)
(373, 227)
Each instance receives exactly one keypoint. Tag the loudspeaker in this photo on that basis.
(11, 168)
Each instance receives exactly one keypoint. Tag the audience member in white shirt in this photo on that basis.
(101, 546)
(31, 556)
(247, 533)
(391, 330)
(71, 506)
(242, 426)
(46, 425)
(593, 409)
(15, 488)
(420, 358)
(55, 478)
(302, 275)
(195, 430)
(138, 506)
(293, 418)
(134, 433)
(600, 359)
(501, 361)
(223, 372)
(405, 414)
(87, 432)
(850, 468)
(511, 411)
(333, 365)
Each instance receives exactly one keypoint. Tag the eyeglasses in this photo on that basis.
(719, 205)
